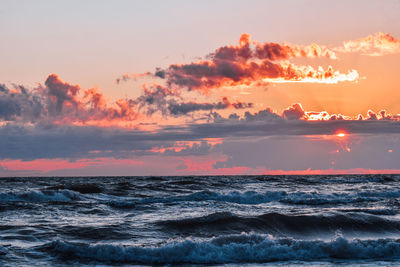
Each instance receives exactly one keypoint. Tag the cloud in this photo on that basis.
(206, 75)
(21, 141)
(249, 63)
(70, 103)
(155, 99)
(166, 101)
(187, 107)
(272, 51)
(59, 102)
(60, 93)
(125, 77)
(307, 74)
(379, 44)
(295, 112)
(20, 104)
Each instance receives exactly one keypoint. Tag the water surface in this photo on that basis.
(219, 220)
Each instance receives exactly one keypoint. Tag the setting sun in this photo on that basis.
(340, 134)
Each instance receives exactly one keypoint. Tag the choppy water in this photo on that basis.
(255, 220)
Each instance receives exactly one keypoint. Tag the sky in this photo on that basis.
(199, 87)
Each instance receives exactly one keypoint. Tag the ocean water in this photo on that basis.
(216, 220)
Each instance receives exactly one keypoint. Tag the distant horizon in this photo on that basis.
(216, 175)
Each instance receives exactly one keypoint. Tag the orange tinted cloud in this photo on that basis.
(275, 51)
(206, 75)
(296, 111)
(307, 74)
(60, 102)
(250, 63)
(90, 105)
(269, 50)
(378, 44)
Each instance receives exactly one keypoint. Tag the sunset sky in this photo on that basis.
(199, 87)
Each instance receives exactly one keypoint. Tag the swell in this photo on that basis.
(83, 188)
(276, 223)
(97, 232)
(40, 196)
(246, 197)
(231, 249)
(253, 197)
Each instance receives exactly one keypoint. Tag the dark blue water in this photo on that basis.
(231, 220)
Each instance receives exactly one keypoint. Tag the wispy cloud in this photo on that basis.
(379, 44)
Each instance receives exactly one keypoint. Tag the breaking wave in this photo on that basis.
(253, 197)
(232, 249)
(40, 196)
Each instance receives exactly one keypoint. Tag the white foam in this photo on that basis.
(235, 249)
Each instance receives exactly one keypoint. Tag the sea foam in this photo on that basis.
(233, 249)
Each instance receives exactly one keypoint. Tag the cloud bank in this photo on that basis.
(202, 128)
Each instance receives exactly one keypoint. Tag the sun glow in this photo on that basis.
(341, 134)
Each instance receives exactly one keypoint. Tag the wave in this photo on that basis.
(324, 179)
(40, 196)
(3, 251)
(276, 223)
(372, 211)
(97, 232)
(253, 197)
(315, 198)
(246, 197)
(242, 248)
(83, 188)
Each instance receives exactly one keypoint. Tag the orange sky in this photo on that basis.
(107, 87)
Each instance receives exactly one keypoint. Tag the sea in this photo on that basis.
(349, 220)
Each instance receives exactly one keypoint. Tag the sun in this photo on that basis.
(340, 135)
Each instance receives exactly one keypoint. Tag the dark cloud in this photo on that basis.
(57, 141)
(61, 102)
(126, 77)
(157, 98)
(60, 92)
(205, 75)
(202, 148)
(19, 104)
(294, 112)
(187, 107)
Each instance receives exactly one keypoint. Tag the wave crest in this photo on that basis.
(40, 196)
(254, 198)
(281, 224)
(233, 249)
